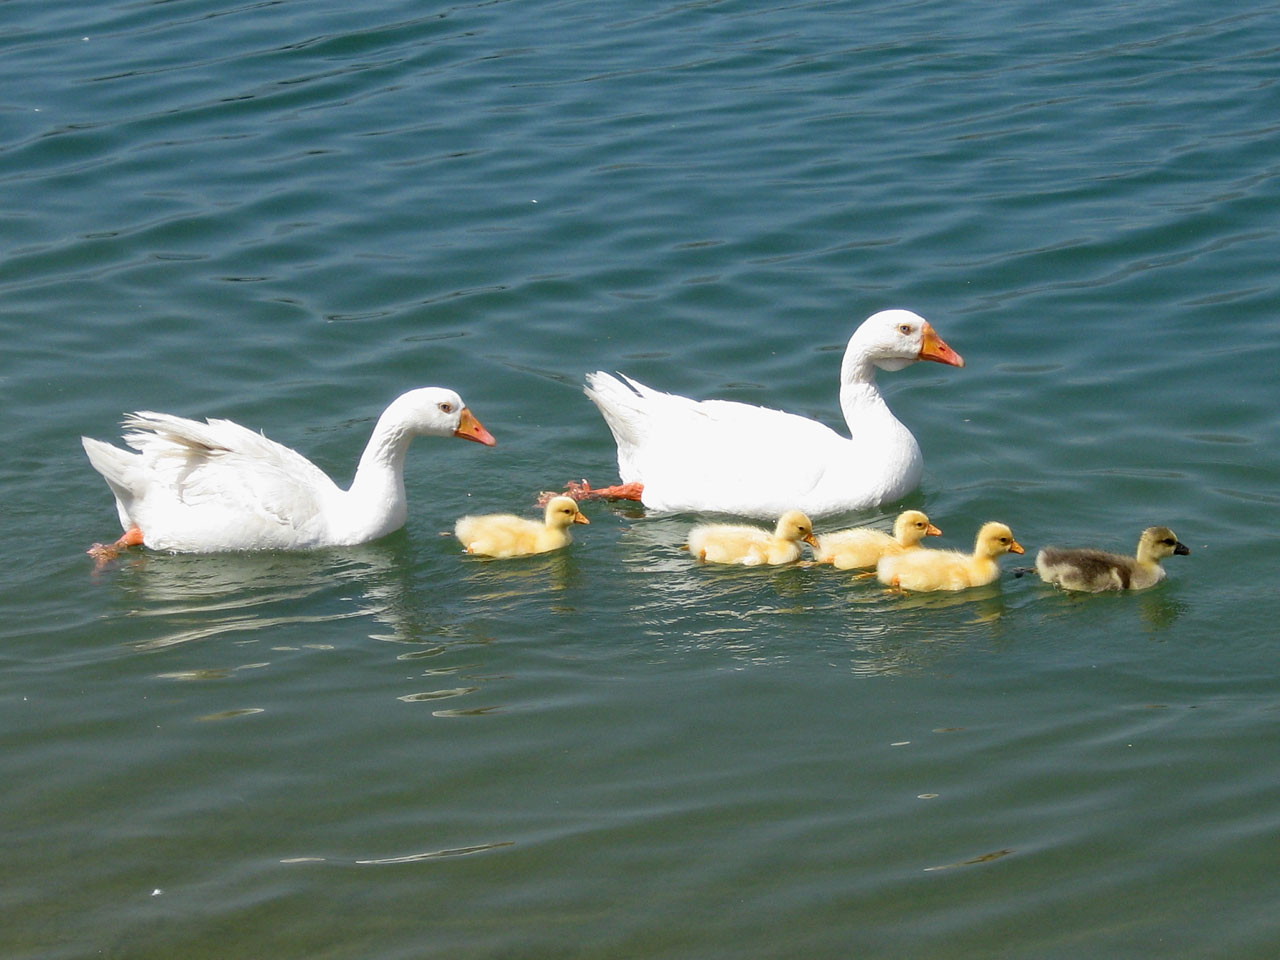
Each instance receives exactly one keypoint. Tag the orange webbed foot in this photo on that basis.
(104, 553)
(581, 490)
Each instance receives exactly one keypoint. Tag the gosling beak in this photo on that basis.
(812, 541)
(580, 517)
(933, 347)
(469, 428)
(1181, 548)
(932, 531)
(1015, 547)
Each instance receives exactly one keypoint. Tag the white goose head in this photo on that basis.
(893, 339)
(437, 412)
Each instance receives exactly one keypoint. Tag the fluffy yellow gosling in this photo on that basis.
(752, 546)
(922, 569)
(506, 535)
(864, 546)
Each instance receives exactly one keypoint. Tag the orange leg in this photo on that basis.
(619, 491)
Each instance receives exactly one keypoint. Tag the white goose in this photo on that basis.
(216, 486)
(677, 454)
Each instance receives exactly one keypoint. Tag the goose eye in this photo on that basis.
(446, 407)
(905, 328)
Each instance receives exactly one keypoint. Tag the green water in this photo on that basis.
(288, 213)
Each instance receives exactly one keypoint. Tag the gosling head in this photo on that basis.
(562, 512)
(794, 525)
(1157, 543)
(995, 539)
(912, 526)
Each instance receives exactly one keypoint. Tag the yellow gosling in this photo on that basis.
(506, 535)
(864, 546)
(752, 546)
(922, 569)
(1094, 571)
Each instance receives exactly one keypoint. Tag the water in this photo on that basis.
(288, 213)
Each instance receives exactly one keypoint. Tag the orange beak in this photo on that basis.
(580, 518)
(933, 531)
(812, 541)
(935, 348)
(1016, 547)
(469, 428)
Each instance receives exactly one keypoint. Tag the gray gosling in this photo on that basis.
(1094, 571)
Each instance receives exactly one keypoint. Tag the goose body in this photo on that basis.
(682, 455)
(507, 535)
(1094, 571)
(927, 570)
(192, 487)
(752, 546)
(864, 546)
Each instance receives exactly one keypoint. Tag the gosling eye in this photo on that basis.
(1169, 542)
(1004, 539)
(446, 407)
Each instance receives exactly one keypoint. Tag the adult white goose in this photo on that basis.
(196, 487)
(677, 454)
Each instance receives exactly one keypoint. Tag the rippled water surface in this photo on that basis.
(287, 213)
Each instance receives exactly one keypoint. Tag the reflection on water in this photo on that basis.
(1160, 609)
(1158, 606)
(271, 600)
(412, 857)
(387, 591)
(175, 599)
(504, 583)
(769, 615)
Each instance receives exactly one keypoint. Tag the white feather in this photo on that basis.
(728, 457)
(195, 487)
